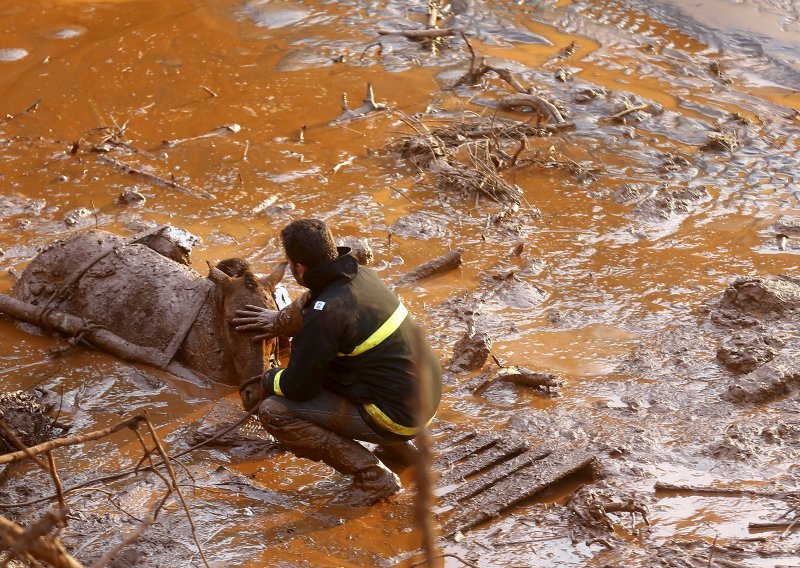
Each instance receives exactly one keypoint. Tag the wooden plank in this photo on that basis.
(502, 451)
(519, 486)
(491, 477)
(457, 440)
(476, 444)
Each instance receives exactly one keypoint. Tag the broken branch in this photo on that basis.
(440, 265)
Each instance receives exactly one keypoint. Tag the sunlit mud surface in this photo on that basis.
(677, 173)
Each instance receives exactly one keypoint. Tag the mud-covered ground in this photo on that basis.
(599, 252)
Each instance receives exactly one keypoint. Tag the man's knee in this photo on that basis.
(273, 414)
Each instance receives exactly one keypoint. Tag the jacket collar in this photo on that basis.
(343, 267)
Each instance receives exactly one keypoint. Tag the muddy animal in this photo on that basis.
(140, 305)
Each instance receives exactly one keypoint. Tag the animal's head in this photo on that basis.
(237, 287)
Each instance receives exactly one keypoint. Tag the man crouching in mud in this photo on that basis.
(353, 370)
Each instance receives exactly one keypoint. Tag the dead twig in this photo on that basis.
(175, 487)
(35, 540)
(115, 476)
(219, 131)
(30, 108)
(71, 441)
(420, 34)
(626, 111)
(133, 535)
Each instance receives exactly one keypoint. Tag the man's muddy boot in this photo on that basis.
(369, 486)
(372, 481)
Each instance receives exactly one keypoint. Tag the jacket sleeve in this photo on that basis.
(313, 349)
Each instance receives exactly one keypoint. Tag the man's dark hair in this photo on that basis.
(309, 242)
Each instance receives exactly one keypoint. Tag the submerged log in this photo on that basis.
(440, 265)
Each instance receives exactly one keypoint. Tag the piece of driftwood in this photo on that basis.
(535, 102)
(154, 179)
(774, 525)
(732, 491)
(519, 376)
(103, 339)
(440, 265)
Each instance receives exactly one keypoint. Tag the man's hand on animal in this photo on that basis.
(262, 320)
(270, 323)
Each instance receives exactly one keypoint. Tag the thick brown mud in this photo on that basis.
(597, 255)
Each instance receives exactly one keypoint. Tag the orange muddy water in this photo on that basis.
(210, 99)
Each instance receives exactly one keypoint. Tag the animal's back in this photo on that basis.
(129, 289)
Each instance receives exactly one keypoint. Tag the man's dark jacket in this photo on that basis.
(347, 304)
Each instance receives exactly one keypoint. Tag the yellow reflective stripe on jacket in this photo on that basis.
(276, 382)
(384, 331)
(382, 420)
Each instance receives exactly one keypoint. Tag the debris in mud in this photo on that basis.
(359, 247)
(564, 75)
(546, 383)
(248, 440)
(715, 68)
(77, 216)
(484, 475)
(724, 140)
(427, 34)
(26, 417)
(775, 379)
(759, 438)
(131, 197)
(629, 193)
(514, 291)
(471, 351)
(434, 267)
(155, 179)
(419, 225)
(673, 163)
(540, 105)
(468, 156)
(215, 133)
(666, 205)
(787, 225)
(592, 508)
(369, 106)
(590, 94)
(630, 112)
(748, 349)
(748, 300)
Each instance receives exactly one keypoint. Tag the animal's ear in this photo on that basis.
(216, 275)
(274, 277)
